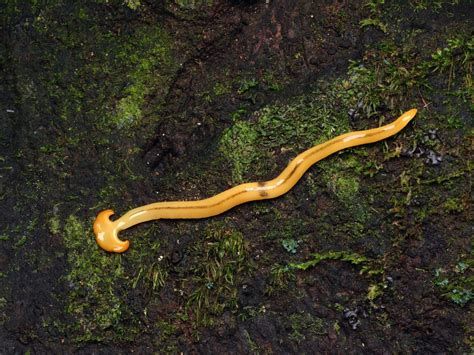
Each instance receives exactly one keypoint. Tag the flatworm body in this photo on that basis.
(106, 231)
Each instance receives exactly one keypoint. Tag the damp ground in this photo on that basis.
(115, 104)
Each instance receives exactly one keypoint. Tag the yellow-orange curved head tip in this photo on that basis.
(408, 116)
(106, 233)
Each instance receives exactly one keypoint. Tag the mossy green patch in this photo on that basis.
(436, 5)
(456, 282)
(165, 340)
(108, 81)
(251, 145)
(148, 55)
(92, 301)
(222, 88)
(279, 278)
(238, 145)
(353, 258)
(193, 4)
(454, 205)
(304, 325)
(54, 224)
(132, 4)
(218, 262)
(346, 188)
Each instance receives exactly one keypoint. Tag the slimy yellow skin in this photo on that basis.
(106, 231)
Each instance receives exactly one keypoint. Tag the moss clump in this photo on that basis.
(193, 4)
(54, 224)
(279, 278)
(456, 281)
(165, 340)
(222, 88)
(148, 55)
(353, 258)
(346, 188)
(92, 300)
(453, 205)
(218, 262)
(251, 146)
(391, 75)
(237, 144)
(132, 4)
(435, 5)
(304, 325)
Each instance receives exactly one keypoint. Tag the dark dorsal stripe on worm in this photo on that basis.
(106, 231)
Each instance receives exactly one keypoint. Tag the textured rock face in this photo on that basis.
(115, 104)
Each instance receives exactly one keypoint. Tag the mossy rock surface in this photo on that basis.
(114, 104)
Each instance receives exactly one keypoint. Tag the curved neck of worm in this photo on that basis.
(106, 231)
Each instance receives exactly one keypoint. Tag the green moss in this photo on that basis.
(193, 4)
(251, 146)
(388, 82)
(304, 325)
(237, 144)
(21, 241)
(436, 5)
(279, 279)
(246, 85)
(454, 205)
(152, 276)
(353, 258)
(374, 291)
(54, 224)
(165, 340)
(217, 263)
(132, 4)
(222, 88)
(3, 313)
(92, 301)
(346, 188)
(456, 282)
(272, 82)
(147, 54)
